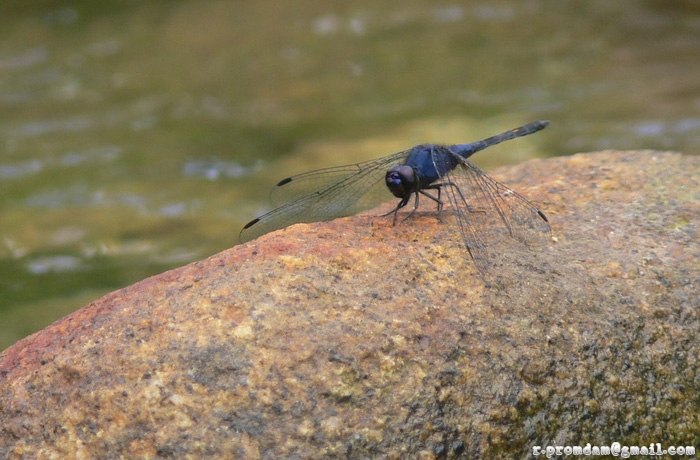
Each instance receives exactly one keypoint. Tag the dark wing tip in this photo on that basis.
(244, 238)
(251, 223)
(279, 184)
(541, 214)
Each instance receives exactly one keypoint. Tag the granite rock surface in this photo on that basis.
(356, 339)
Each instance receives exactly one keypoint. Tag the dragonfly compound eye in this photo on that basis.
(401, 180)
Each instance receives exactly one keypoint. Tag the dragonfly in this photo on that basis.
(478, 201)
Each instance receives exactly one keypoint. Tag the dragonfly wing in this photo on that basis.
(482, 204)
(523, 220)
(326, 194)
(295, 187)
(460, 206)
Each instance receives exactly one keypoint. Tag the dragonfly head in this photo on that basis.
(401, 180)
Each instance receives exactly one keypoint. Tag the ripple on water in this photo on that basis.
(15, 171)
(54, 264)
(213, 169)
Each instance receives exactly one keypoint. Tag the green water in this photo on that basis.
(140, 136)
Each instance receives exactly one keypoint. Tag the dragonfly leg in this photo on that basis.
(437, 200)
(415, 206)
(404, 202)
(395, 211)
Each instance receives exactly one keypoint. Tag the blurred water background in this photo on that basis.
(139, 136)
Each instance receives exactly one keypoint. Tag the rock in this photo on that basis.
(356, 339)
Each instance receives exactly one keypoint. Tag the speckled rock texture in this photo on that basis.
(356, 339)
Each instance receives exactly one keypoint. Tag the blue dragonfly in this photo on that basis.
(477, 200)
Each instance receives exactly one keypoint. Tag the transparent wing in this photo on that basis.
(326, 194)
(483, 204)
(295, 187)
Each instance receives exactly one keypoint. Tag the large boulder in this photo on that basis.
(356, 339)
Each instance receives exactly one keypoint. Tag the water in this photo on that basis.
(138, 137)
